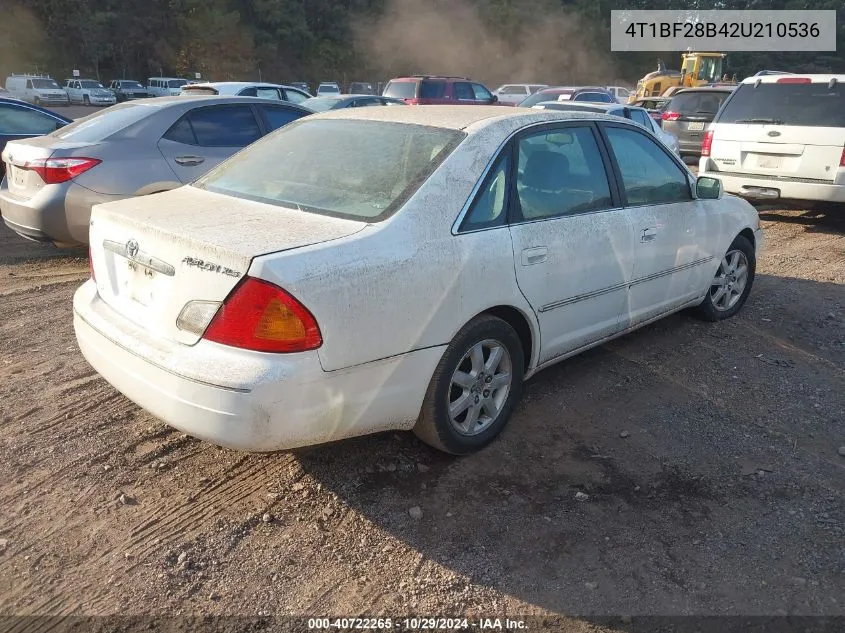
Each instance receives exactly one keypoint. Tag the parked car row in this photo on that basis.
(251, 287)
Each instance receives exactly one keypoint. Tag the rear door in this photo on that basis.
(792, 127)
(572, 243)
(206, 136)
(433, 91)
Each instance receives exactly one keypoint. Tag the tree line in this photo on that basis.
(494, 41)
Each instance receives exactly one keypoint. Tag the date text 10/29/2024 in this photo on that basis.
(416, 624)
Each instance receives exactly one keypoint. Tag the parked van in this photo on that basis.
(37, 89)
(780, 137)
(165, 86)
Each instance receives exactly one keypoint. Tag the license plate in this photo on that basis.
(18, 176)
(769, 162)
(695, 127)
(140, 283)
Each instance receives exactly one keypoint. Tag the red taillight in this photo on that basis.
(91, 265)
(670, 116)
(795, 80)
(842, 159)
(260, 316)
(412, 101)
(707, 143)
(56, 170)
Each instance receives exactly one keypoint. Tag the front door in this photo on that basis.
(573, 246)
(671, 229)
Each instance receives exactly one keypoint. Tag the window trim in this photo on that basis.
(623, 196)
(508, 155)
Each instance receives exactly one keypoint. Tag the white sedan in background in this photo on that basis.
(400, 268)
(634, 113)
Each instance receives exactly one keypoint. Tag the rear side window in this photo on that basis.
(561, 172)
(513, 90)
(810, 105)
(432, 89)
(105, 123)
(704, 103)
(649, 176)
(278, 117)
(224, 126)
(401, 89)
(638, 116)
(248, 92)
(181, 132)
(17, 120)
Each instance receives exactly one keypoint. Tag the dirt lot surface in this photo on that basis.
(708, 454)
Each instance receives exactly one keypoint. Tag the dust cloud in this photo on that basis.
(533, 41)
(22, 41)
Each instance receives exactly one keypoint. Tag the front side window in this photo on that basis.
(17, 120)
(356, 169)
(268, 93)
(488, 208)
(561, 172)
(294, 97)
(512, 90)
(401, 89)
(481, 93)
(649, 175)
(463, 92)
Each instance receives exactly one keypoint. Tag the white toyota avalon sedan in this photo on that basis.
(400, 268)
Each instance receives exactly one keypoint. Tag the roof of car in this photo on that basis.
(705, 89)
(181, 100)
(773, 79)
(455, 117)
(586, 105)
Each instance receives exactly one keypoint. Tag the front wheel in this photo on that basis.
(732, 283)
(86, 100)
(474, 389)
(36, 101)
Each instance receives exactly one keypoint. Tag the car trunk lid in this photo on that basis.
(153, 255)
(23, 181)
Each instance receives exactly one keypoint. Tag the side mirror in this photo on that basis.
(708, 188)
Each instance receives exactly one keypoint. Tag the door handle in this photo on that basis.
(189, 161)
(648, 235)
(536, 255)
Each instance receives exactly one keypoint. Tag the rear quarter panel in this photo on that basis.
(406, 283)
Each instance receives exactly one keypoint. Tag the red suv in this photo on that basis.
(430, 89)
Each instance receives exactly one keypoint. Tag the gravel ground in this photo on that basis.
(686, 469)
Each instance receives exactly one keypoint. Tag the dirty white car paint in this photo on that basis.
(388, 294)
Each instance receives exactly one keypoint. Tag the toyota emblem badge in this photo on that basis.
(132, 248)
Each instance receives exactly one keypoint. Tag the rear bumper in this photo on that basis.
(266, 402)
(761, 188)
(56, 213)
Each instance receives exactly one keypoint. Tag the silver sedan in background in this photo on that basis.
(132, 149)
(632, 113)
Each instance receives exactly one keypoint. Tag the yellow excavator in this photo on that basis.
(697, 69)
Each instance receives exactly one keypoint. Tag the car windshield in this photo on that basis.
(177, 83)
(99, 126)
(539, 97)
(131, 84)
(329, 88)
(90, 84)
(321, 104)
(401, 89)
(805, 104)
(45, 83)
(362, 170)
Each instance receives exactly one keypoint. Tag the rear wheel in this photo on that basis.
(732, 283)
(474, 388)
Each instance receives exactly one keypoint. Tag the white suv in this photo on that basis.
(780, 137)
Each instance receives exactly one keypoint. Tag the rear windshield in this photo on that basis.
(99, 126)
(401, 89)
(703, 102)
(320, 104)
(200, 90)
(90, 84)
(810, 105)
(539, 97)
(41, 84)
(177, 83)
(361, 170)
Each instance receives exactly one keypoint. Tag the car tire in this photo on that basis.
(464, 410)
(733, 280)
(86, 100)
(36, 101)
